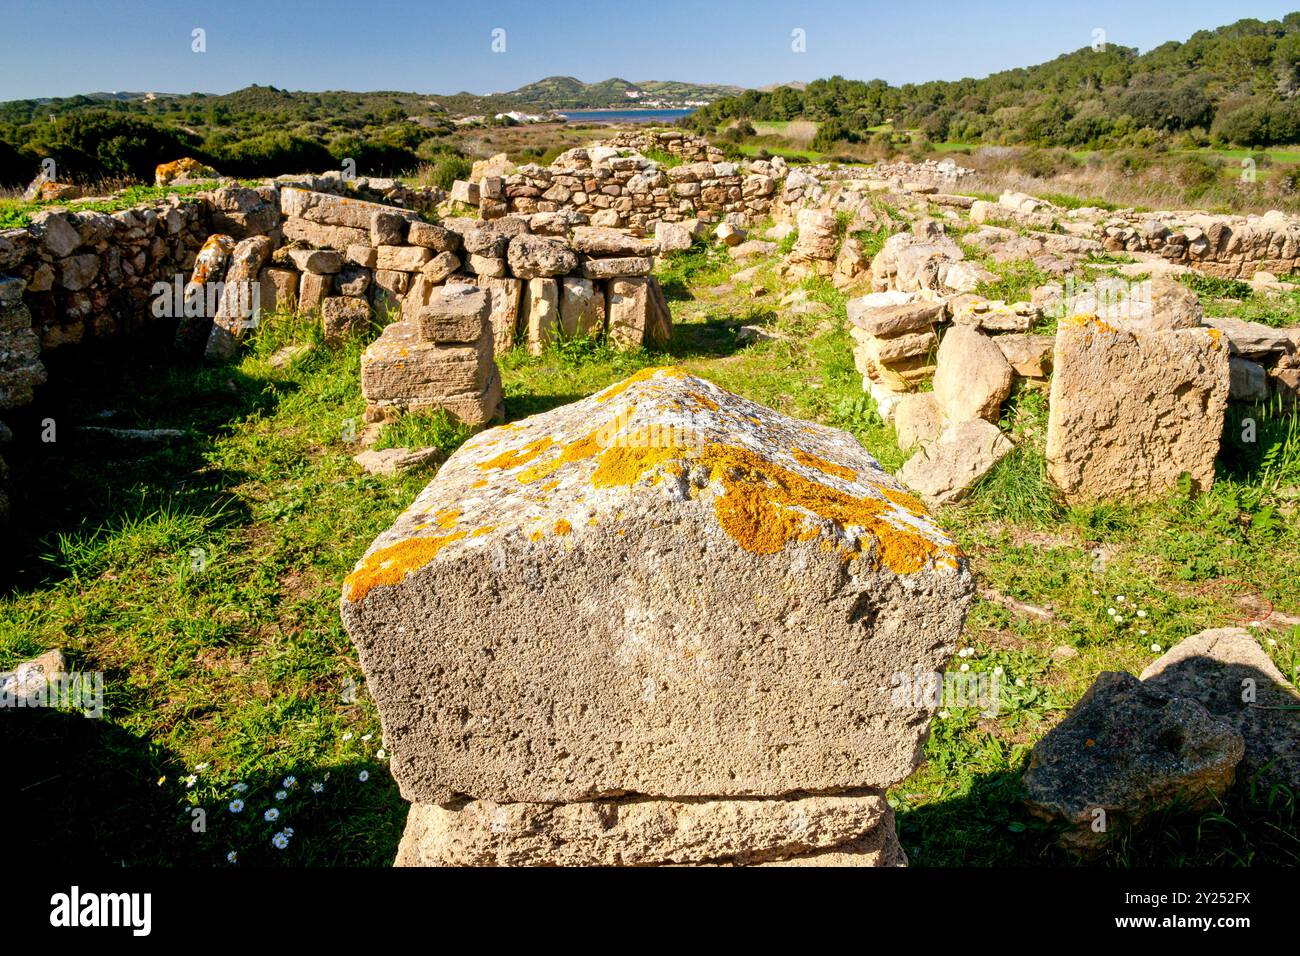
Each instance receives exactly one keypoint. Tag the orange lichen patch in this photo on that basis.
(702, 400)
(822, 465)
(588, 446)
(535, 535)
(445, 518)
(514, 457)
(551, 485)
(486, 529)
(481, 483)
(1087, 318)
(1216, 337)
(392, 564)
(904, 500)
(623, 465)
(765, 506)
(672, 371)
(563, 527)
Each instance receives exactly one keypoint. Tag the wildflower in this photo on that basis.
(271, 815)
(200, 768)
(236, 806)
(363, 776)
(1142, 633)
(289, 783)
(997, 672)
(1095, 592)
(281, 794)
(366, 736)
(943, 715)
(1110, 611)
(1119, 598)
(279, 841)
(287, 831)
(380, 753)
(190, 781)
(1272, 642)
(1254, 624)
(1119, 618)
(317, 787)
(239, 787)
(1141, 613)
(348, 735)
(1155, 648)
(232, 857)
(965, 667)
(1020, 682)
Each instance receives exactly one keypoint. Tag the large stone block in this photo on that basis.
(1132, 411)
(401, 366)
(582, 307)
(973, 377)
(454, 315)
(638, 831)
(663, 589)
(540, 313)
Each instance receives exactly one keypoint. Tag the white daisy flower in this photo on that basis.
(1110, 611)
(998, 672)
(1119, 598)
(289, 782)
(232, 857)
(943, 715)
(965, 667)
(239, 787)
(236, 806)
(1119, 618)
(317, 787)
(380, 753)
(279, 841)
(281, 794)
(348, 735)
(190, 781)
(363, 776)
(366, 736)
(1155, 648)
(270, 815)
(1020, 682)
(287, 831)
(200, 768)
(1141, 613)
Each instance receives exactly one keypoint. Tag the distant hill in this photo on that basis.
(567, 92)
(1238, 84)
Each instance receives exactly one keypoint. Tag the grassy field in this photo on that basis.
(202, 577)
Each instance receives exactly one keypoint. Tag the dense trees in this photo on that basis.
(1236, 84)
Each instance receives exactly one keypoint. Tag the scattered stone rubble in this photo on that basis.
(691, 657)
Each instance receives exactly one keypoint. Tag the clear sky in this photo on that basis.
(62, 47)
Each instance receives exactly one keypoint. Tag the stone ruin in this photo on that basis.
(661, 625)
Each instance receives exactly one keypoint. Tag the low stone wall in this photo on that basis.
(613, 184)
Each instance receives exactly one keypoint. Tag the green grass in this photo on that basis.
(16, 213)
(202, 577)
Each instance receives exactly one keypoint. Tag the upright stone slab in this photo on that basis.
(663, 589)
(1132, 411)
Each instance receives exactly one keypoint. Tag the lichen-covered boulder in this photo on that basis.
(663, 589)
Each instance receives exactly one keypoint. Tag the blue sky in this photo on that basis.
(61, 47)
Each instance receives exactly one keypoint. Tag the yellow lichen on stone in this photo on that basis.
(671, 371)
(563, 527)
(514, 457)
(822, 465)
(392, 564)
